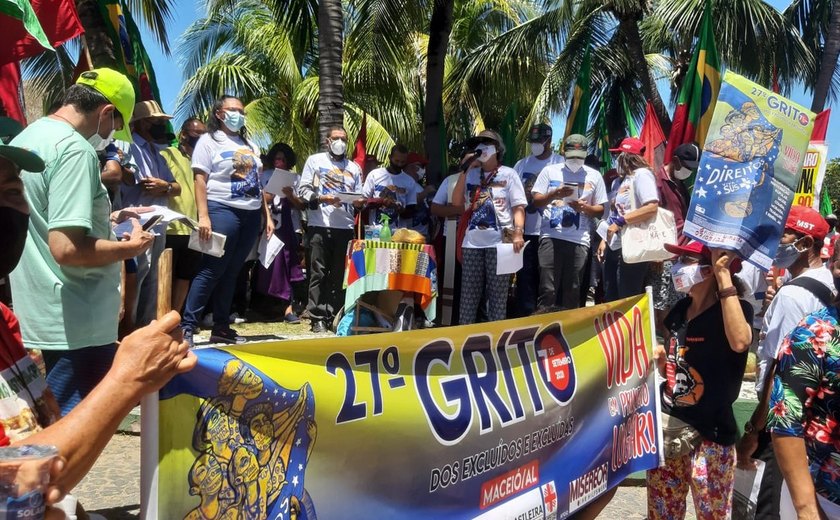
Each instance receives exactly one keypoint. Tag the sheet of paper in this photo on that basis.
(745, 496)
(615, 243)
(280, 179)
(268, 249)
(508, 262)
(213, 247)
(347, 198)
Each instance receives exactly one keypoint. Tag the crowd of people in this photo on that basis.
(98, 160)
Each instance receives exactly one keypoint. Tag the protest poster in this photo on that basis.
(813, 172)
(749, 170)
(527, 418)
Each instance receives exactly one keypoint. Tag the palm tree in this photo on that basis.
(330, 45)
(819, 23)
(440, 28)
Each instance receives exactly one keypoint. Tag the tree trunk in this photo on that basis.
(440, 27)
(828, 63)
(330, 50)
(629, 27)
(97, 36)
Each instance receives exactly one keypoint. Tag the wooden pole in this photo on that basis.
(164, 289)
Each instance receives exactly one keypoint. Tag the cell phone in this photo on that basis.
(152, 222)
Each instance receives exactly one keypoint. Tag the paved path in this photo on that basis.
(112, 488)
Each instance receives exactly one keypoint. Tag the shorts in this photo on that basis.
(185, 261)
(664, 293)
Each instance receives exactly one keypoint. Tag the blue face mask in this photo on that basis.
(234, 120)
(786, 255)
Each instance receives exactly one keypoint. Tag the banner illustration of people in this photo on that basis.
(749, 170)
(536, 416)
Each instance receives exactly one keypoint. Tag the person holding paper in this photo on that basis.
(495, 201)
(571, 195)
(325, 178)
(185, 261)
(230, 202)
(635, 199)
(529, 168)
(284, 270)
(395, 190)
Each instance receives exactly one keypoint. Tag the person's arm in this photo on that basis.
(793, 461)
(267, 198)
(738, 330)
(518, 227)
(542, 196)
(112, 173)
(145, 361)
(293, 199)
(73, 247)
(446, 210)
(643, 214)
(205, 228)
(156, 186)
(458, 193)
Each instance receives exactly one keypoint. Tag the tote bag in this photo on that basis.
(645, 241)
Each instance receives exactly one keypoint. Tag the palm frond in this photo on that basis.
(154, 14)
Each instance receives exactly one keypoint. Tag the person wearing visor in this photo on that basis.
(708, 334)
(495, 201)
(66, 287)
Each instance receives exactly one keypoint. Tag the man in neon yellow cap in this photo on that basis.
(66, 289)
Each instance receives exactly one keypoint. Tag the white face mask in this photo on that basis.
(574, 164)
(98, 142)
(682, 174)
(487, 152)
(234, 120)
(537, 149)
(338, 147)
(687, 276)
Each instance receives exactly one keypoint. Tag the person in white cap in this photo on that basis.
(154, 185)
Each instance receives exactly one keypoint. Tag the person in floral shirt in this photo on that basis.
(804, 412)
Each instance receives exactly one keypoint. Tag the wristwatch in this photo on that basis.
(168, 187)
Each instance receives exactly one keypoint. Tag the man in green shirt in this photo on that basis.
(185, 261)
(66, 288)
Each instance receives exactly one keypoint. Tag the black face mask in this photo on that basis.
(158, 131)
(192, 140)
(14, 225)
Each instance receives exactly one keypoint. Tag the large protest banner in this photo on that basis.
(528, 418)
(813, 172)
(749, 170)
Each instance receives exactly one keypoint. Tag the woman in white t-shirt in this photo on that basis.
(230, 202)
(635, 178)
(498, 200)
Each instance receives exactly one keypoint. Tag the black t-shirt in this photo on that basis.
(703, 374)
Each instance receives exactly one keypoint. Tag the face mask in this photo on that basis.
(574, 164)
(192, 140)
(682, 174)
(395, 169)
(338, 147)
(487, 151)
(158, 131)
(686, 276)
(14, 225)
(234, 120)
(786, 255)
(421, 173)
(537, 149)
(98, 142)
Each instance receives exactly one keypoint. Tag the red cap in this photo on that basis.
(630, 145)
(699, 249)
(807, 221)
(416, 158)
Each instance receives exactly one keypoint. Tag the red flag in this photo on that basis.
(10, 98)
(360, 153)
(654, 138)
(59, 20)
(821, 125)
(776, 87)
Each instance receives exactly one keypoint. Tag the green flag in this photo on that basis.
(604, 140)
(632, 130)
(578, 120)
(22, 10)
(826, 208)
(509, 136)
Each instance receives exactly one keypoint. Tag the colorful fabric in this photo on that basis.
(396, 266)
(709, 471)
(804, 401)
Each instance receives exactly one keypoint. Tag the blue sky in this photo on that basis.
(187, 11)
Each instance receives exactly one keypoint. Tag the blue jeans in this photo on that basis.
(72, 374)
(622, 280)
(241, 227)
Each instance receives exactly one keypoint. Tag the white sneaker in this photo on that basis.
(235, 319)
